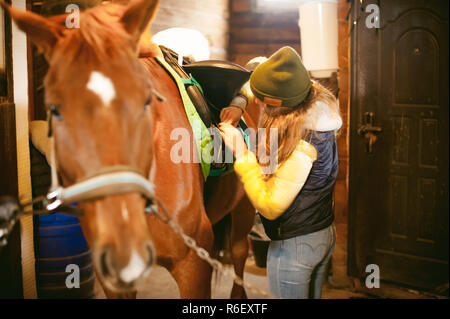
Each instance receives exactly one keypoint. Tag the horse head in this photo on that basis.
(100, 97)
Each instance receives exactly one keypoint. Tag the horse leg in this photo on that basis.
(242, 218)
(192, 274)
(193, 277)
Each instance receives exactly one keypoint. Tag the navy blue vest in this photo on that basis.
(312, 210)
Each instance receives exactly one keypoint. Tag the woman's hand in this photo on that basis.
(233, 139)
(231, 115)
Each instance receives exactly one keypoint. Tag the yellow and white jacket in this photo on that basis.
(271, 198)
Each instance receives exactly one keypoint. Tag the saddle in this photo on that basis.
(210, 84)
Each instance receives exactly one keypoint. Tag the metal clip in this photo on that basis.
(152, 208)
(54, 199)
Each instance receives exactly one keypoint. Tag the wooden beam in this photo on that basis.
(260, 19)
(262, 48)
(241, 5)
(265, 34)
(10, 255)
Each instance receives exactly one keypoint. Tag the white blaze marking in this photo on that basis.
(125, 214)
(102, 86)
(134, 269)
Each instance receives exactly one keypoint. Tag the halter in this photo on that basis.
(111, 180)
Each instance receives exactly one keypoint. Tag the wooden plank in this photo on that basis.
(262, 48)
(213, 6)
(259, 19)
(241, 5)
(265, 34)
(8, 95)
(8, 181)
(10, 256)
(181, 15)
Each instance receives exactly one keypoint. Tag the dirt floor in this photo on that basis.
(160, 285)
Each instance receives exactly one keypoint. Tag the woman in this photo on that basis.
(296, 201)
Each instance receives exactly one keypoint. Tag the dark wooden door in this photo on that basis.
(399, 192)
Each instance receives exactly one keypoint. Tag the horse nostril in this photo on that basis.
(104, 263)
(151, 253)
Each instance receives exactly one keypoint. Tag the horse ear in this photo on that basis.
(138, 16)
(41, 31)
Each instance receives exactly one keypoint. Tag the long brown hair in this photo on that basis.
(289, 121)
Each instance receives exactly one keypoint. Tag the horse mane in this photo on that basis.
(100, 36)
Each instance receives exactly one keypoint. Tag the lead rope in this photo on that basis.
(201, 252)
(53, 170)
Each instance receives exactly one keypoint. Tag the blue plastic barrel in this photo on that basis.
(59, 242)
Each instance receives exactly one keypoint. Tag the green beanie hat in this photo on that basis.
(282, 80)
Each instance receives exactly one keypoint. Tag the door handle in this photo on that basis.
(369, 131)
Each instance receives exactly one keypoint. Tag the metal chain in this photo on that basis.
(201, 252)
(217, 265)
(189, 241)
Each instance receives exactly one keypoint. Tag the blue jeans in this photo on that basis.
(296, 267)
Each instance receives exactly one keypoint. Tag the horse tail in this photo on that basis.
(221, 247)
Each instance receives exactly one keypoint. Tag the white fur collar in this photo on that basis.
(321, 117)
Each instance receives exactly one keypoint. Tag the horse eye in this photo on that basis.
(55, 112)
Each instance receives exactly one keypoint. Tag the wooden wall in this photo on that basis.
(260, 32)
(210, 17)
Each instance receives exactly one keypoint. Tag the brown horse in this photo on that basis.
(105, 113)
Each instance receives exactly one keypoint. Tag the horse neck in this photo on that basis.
(178, 185)
(171, 111)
